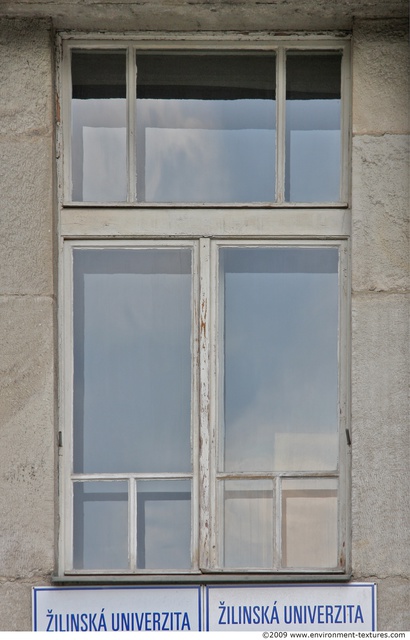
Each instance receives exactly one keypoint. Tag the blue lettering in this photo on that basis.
(185, 622)
(84, 626)
(359, 614)
(329, 614)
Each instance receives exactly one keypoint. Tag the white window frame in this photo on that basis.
(273, 45)
(132, 224)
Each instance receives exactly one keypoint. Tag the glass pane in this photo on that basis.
(280, 384)
(205, 128)
(313, 127)
(132, 360)
(98, 126)
(100, 525)
(164, 524)
(248, 523)
(309, 523)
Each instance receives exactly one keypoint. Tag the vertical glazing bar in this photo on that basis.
(280, 124)
(195, 420)
(131, 106)
(277, 543)
(67, 384)
(204, 403)
(345, 449)
(218, 392)
(132, 524)
(66, 122)
(345, 125)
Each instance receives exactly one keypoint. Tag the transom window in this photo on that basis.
(206, 127)
(205, 272)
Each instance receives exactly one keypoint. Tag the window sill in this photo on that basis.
(210, 578)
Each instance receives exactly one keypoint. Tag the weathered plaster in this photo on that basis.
(26, 87)
(380, 437)
(187, 15)
(380, 312)
(26, 158)
(381, 80)
(26, 230)
(27, 473)
(380, 213)
(27, 316)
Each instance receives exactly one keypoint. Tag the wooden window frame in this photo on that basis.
(205, 228)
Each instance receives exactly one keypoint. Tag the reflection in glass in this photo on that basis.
(313, 140)
(98, 127)
(164, 524)
(248, 519)
(100, 525)
(132, 360)
(205, 128)
(309, 523)
(280, 353)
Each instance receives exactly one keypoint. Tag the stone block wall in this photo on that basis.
(380, 316)
(27, 317)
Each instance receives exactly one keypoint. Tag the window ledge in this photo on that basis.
(225, 578)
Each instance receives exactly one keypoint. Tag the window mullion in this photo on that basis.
(345, 126)
(204, 404)
(280, 124)
(277, 543)
(132, 524)
(131, 100)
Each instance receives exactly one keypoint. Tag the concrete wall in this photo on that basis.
(27, 317)
(380, 316)
(380, 281)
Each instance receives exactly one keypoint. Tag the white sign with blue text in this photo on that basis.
(273, 608)
(165, 608)
(325, 607)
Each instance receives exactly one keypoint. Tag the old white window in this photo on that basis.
(204, 233)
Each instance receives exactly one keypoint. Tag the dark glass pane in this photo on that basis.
(280, 324)
(206, 128)
(132, 360)
(98, 126)
(313, 135)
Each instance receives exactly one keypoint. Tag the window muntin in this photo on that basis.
(207, 127)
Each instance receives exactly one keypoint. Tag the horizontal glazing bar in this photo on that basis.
(279, 474)
(126, 476)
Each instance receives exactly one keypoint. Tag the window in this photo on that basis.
(205, 238)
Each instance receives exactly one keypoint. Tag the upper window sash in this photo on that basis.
(144, 124)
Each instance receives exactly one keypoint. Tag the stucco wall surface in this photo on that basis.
(204, 15)
(380, 316)
(27, 317)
